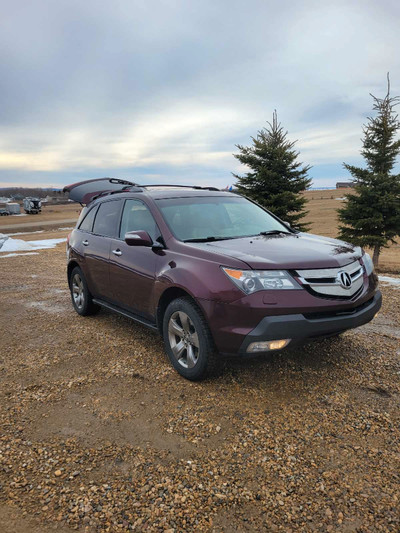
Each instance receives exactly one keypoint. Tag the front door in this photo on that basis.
(132, 268)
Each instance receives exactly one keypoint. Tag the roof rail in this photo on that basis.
(136, 187)
(183, 186)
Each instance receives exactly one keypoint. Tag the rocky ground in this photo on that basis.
(98, 433)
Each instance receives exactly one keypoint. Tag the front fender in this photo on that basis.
(201, 279)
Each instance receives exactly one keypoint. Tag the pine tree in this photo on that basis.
(371, 216)
(276, 178)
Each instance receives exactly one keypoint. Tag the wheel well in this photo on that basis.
(166, 298)
(70, 268)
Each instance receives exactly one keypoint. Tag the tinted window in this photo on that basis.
(216, 216)
(136, 216)
(107, 219)
(87, 222)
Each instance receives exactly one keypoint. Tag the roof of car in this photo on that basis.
(181, 192)
(163, 192)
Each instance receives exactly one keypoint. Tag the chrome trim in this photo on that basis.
(331, 285)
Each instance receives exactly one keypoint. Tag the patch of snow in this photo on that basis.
(8, 244)
(342, 198)
(21, 215)
(69, 227)
(24, 233)
(22, 253)
(388, 279)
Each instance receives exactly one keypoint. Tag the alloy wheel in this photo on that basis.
(78, 291)
(183, 339)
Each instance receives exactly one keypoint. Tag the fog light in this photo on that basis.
(266, 346)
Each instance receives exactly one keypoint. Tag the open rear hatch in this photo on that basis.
(85, 191)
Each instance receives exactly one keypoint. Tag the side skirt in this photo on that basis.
(124, 312)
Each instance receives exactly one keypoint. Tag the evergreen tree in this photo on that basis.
(371, 216)
(276, 178)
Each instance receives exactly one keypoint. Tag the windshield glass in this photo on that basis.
(219, 217)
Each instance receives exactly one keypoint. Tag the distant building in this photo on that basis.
(57, 196)
(344, 184)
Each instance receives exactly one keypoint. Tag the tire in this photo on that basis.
(188, 341)
(80, 294)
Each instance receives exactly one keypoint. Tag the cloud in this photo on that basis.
(167, 88)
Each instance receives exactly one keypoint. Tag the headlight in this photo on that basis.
(250, 281)
(368, 264)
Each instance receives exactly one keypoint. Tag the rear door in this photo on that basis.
(132, 268)
(95, 247)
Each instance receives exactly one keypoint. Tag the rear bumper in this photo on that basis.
(299, 327)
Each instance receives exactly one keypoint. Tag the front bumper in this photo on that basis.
(301, 327)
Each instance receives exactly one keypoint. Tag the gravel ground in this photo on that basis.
(98, 433)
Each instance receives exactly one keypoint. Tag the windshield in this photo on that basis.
(216, 217)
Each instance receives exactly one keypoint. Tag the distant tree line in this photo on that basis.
(18, 193)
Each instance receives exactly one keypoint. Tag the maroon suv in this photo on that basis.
(212, 271)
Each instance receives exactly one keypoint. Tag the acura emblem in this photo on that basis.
(344, 279)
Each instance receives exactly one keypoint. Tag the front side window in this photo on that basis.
(137, 216)
(216, 217)
(107, 218)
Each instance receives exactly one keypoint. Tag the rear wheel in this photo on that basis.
(80, 295)
(188, 341)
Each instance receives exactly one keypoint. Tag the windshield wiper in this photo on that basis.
(208, 239)
(274, 232)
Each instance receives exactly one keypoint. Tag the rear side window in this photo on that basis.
(87, 222)
(136, 216)
(107, 219)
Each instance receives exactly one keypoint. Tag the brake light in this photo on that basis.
(69, 236)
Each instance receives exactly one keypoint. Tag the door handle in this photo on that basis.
(85, 243)
(117, 252)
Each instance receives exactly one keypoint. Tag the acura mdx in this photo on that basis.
(211, 271)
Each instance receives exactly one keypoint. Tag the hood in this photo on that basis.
(292, 251)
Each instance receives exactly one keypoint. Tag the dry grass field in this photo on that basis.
(322, 206)
(50, 217)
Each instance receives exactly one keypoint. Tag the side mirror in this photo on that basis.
(138, 238)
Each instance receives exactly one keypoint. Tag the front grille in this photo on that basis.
(327, 283)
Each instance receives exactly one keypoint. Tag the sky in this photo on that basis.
(162, 91)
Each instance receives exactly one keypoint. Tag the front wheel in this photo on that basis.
(80, 295)
(188, 341)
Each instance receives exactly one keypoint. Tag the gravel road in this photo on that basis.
(98, 433)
